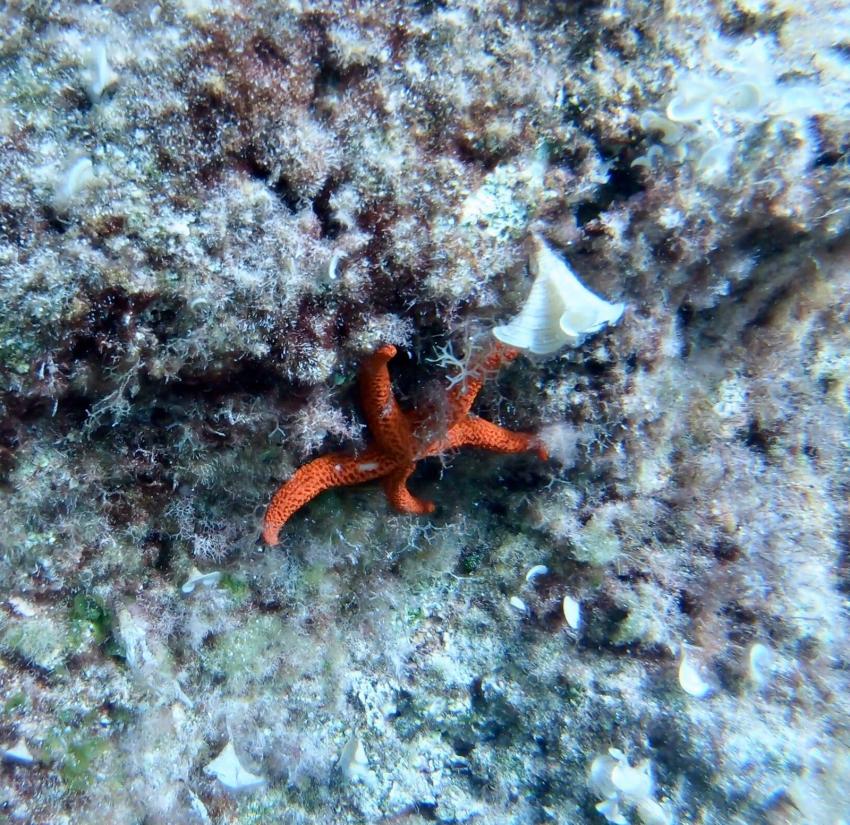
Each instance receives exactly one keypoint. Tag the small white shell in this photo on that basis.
(691, 679)
(599, 777)
(337, 256)
(688, 110)
(610, 809)
(73, 181)
(632, 783)
(227, 768)
(651, 813)
(619, 784)
(760, 663)
(518, 604)
(197, 578)
(671, 132)
(559, 310)
(692, 101)
(19, 753)
(572, 612)
(100, 74)
(653, 154)
(199, 302)
(354, 764)
(536, 571)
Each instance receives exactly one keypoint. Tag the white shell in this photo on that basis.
(621, 785)
(599, 777)
(760, 663)
(100, 74)
(572, 612)
(610, 809)
(691, 679)
(559, 310)
(19, 753)
(632, 783)
(682, 109)
(197, 578)
(692, 101)
(518, 604)
(227, 768)
(76, 178)
(537, 570)
(654, 153)
(651, 813)
(671, 132)
(338, 255)
(354, 764)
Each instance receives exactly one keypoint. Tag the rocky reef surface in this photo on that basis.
(210, 212)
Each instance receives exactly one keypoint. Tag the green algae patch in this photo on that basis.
(14, 702)
(91, 613)
(90, 619)
(75, 755)
(238, 588)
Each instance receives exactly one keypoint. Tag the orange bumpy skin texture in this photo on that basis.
(395, 447)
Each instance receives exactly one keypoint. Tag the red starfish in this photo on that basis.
(398, 441)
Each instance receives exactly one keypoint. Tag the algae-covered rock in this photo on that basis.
(211, 213)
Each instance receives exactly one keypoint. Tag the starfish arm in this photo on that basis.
(394, 449)
(476, 432)
(332, 470)
(463, 394)
(387, 423)
(401, 499)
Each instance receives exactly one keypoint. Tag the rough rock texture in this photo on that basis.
(209, 212)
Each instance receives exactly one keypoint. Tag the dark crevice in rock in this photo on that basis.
(623, 182)
(331, 228)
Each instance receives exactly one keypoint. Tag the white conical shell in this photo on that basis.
(354, 764)
(560, 310)
(227, 768)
